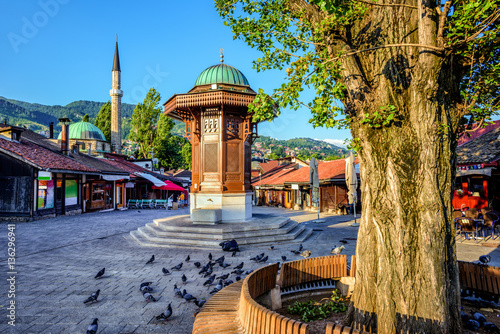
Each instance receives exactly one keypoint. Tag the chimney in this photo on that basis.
(65, 135)
(51, 130)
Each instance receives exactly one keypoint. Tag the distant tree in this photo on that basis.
(126, 127)
(186, 155)
(103, 120)
(279, 151)
(144, 123)
(86, 118)
(272, 156)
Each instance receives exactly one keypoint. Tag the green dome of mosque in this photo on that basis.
(221, 73)
(84, 130)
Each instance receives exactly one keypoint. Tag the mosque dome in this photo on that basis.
(84, 130)
(222, 74)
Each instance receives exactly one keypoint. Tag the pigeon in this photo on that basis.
(210, 256)
(146, 288)
(220, 260)
(165, 271)
(239, 266)
(233, 254)
(237, 272)
(187, 258)
(217, 288)
(177, 291)
(223, 277)
(306, 254)
(228, 282)
(343, 241)
(197, 264)
(271, 247)
(248, 272)
(93, 297)
(283, 257)
(225, 265)
(165, 315)
(301, 248)
(237, 278)
(199, 303)
(177, 267)
(151, 260)
(145, 284)
(184, 279)
(491, 327)
(209, 281)
(472, 325)
(92, 329)
(295, 252)
(208, 273)
(257, 258)
(264, 259)
(100, 273)
(479, 317)
(188, 297)
(149, 297)
(484, 259)
(337, 250)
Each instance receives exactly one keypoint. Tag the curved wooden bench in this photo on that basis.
(332, 328)
(479, 278)
(220, 313)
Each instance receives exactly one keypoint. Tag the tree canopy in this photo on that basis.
(406, 77)
(103, 120)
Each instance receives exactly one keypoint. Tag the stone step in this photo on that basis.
(224, 235)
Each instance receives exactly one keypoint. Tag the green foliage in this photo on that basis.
(384, 117)
(187, 155)
(169, 152)
(86, 118)
(312, 310)
(103, 120)
(144, 123)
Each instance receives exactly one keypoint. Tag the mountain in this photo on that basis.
(303, 148)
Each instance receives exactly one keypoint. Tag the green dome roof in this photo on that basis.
(222, 73)
(84, 130)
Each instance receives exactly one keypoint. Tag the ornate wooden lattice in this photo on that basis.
(211, 162)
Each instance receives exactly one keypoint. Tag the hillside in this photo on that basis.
(303, 148)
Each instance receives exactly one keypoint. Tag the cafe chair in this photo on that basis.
(466, 226)
(491, 221)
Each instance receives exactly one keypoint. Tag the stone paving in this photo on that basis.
(58, 258)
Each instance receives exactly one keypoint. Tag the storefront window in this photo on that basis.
(71, 192)
(476, 186)
(46, 194)
(98, 192)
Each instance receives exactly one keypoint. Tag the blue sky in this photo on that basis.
(58, 51)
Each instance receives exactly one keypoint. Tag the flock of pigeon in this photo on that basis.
(214, 283)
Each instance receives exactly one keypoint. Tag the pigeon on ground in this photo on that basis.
(165, 315)
(233, 254)
(283, 257)
(146, 288)
(187, 258)
(100, 273)
(472, 325)
(165, 271)
(343, 241)
(145, 284)
(484, 259)
(271, 247)
(301, 248)
(228, 282)
(220, 260)
(149, 297)
(92, 329)
(223, 277)
(184, 279)
(210, 256)
(264, 259)
(209, 281)
(257, 258)
(306, 254)
(225, 265)
(177, 267)
(479, 317)
(93, 297)
(337, 250)
(237, 272)
(237, 278)
(491, 327)
(151, 260)
(197, 264)
(239, 266)
(217, 288)
(209, 272)
(295, 252)
(188, 297)
(248, 272)
(177, 291)
(199, 303)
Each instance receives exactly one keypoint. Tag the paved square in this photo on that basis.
(58, 258)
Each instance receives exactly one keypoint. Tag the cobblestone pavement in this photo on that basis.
(58, 258)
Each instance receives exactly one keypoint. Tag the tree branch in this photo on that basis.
(442, 20)
(388, 4)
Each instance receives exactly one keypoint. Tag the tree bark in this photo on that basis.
(406, 268)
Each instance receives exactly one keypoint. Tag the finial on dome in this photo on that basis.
(221, 55)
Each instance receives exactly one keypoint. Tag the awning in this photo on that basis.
(110, 177)
(157, 182)
(483, 171)
(169, 185)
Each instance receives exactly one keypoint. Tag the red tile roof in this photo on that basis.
(42, 157)
(267, 166)
(468, 136)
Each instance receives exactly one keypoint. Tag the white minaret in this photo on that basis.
(116, 105)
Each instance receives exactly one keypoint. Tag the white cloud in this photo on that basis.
(336, 142)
